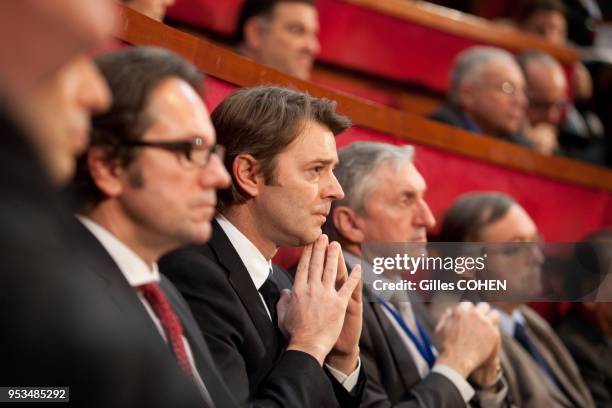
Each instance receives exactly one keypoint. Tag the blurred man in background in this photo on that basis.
(487, 94)
(547, 96)
(539, 369)
(281, 34)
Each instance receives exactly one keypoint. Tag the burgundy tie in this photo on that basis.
(169, 321)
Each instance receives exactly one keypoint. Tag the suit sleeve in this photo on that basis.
(435, 390)
(296, 379)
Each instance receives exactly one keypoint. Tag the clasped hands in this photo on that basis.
(322, 315)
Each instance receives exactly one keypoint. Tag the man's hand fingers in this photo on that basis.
(346, 291)
(301, 273)
(357, 294)
(331, 265)
(281, 309)
(494, 317)
(316, 260)
(342, 275)
(483, 307)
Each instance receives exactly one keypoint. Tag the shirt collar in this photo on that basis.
(507, 323)
(256, 264)
(368, 277)
(133, 268)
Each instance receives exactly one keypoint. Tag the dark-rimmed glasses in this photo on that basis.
(193, 152)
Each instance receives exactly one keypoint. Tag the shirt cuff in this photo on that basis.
(464, 388)
(347, 381)
(489, 399)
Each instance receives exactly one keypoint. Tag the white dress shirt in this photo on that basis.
(259, 268)
(138, 273)
(507, 323)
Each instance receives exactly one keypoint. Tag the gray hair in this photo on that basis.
(469, 64)
(355, 173)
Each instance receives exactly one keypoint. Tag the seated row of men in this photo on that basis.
(490, 92)
(88, 303)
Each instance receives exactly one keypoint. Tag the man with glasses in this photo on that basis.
(486, 94)
(547, 95)
(539, 369)
(147, 185)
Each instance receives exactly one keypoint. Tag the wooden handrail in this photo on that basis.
(220, 63)
(466, 25)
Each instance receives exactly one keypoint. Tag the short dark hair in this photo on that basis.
(258, 8)
(132, 75)
(528, 8)
(472, 212)
(264, 120)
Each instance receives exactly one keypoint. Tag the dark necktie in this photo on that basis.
(170, 323)
(271, 294)
(520, 334)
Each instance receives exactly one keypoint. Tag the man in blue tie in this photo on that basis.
(384, 203)
(538, 368)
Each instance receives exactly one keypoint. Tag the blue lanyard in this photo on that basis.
(425, 347)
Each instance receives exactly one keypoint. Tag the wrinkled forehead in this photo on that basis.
(495, 71)
(399, 176)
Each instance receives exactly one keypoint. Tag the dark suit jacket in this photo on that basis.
(451, 115)
(243, 341)
(59, 325)
(529, 386)
(592, 353)
(393, 377)
(120, 291)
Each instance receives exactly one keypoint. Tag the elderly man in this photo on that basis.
(281, 34)
(539, 369)
(547, 96)
(384, 203)
(280, 152)
(486, 94)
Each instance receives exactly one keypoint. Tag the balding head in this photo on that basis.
(546, 87)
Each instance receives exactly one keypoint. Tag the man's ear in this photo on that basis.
(247, 174)
(253, 33)
(467, 96)
(105, 174)
(348, 223)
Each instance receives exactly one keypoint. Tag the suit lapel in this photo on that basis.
(104, 267)
(241, 281)
(406, 366)
(201, 353)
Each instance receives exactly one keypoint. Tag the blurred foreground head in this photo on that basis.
(46, 83)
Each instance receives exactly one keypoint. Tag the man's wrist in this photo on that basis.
(489, 383)
(319, 353)
(344, 362)
(458, 365)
